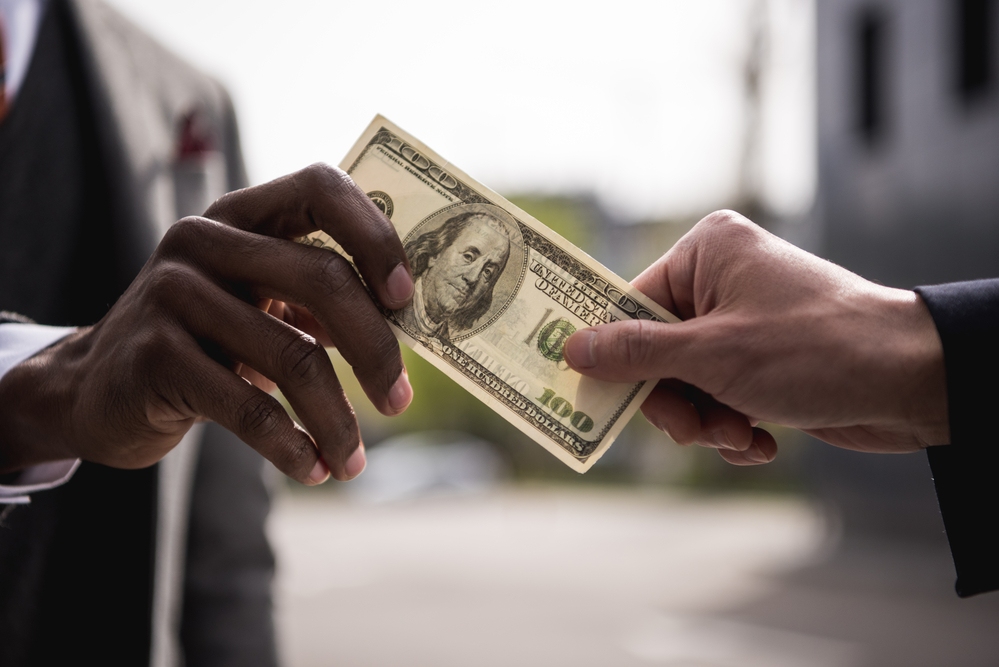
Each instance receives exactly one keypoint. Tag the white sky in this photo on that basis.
(638, 101)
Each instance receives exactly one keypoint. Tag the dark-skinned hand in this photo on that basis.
(228, 306)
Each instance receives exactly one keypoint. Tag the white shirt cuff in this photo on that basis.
(17, 343)
(21, 341)
(38, 478)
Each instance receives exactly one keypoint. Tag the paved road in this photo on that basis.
(556, 576)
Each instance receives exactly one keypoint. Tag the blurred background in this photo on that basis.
(866, 131)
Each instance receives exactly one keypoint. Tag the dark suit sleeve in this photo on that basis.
(964, 472)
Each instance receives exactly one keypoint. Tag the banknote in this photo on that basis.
(497, 294)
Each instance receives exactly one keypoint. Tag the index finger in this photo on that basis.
(321, 197)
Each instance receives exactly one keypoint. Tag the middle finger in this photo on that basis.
(318, 280)
(288, 357)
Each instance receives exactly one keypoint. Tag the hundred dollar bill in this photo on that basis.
(497, 294)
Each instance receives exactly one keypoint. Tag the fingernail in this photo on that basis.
(400, 284)
(320, 473)
(401, 393)
(579, 349)
(356, 463)
(755, 454)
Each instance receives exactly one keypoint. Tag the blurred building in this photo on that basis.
(908, 129)
(908, 132)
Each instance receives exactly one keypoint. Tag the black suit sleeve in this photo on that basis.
(964, 473)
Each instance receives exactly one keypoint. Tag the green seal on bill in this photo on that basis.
(552, 337)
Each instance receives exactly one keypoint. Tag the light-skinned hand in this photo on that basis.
(773, 333)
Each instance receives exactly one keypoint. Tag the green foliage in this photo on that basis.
(568, 217)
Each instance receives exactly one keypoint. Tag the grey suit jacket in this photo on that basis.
(126, 567)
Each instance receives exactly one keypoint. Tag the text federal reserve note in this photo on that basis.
(497, 294)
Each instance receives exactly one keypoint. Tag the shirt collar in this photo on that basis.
(21, 20)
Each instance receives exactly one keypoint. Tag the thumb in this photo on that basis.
(634, 350)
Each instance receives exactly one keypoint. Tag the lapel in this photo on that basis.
(141, 95)
(145, 103)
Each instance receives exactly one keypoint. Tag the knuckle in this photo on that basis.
(295, 457)
(332, 272)
(260, 417)
(220, 207)
(722, 234)
(227, 207)
(384, 236)
(382, 356)
(302, 359)
(171, 281)
(155, 353)
(639, 344)
(386, 347)
(346, 434)
(730, 226)
(723, 218)
(184, 232)
(327, 179)
(189, 237)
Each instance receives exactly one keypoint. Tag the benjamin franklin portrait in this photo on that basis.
(457, 266)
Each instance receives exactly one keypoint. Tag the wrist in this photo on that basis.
(37, 398)
(922, 373)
